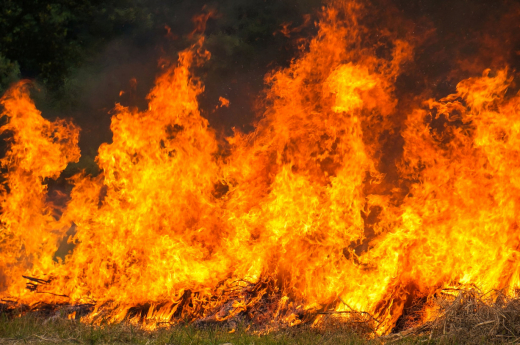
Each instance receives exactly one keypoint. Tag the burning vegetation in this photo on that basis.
(341, 204)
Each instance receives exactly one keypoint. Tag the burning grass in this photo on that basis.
(464, 317)
(301, 221)
(471, 317)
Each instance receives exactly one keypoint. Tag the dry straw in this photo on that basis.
(470, 317)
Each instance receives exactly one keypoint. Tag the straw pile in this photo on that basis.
(470, 317)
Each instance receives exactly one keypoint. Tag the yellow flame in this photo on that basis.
(176, 228)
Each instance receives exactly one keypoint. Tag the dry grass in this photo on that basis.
(464, 317)
(470, 317)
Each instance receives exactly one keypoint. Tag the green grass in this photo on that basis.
(31, 329)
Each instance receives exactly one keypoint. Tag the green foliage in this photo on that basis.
(9, 73)
(250, 31)
(48, 38)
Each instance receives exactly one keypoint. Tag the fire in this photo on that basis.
(299, 217)
(38, 150)
(224, 102)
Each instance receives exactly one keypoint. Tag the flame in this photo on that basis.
(224, 102)
(173, 229)
(38, 150)
(287, 30)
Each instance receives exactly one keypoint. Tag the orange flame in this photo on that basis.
(286, 29)
(38, 150)
(173, 225)
(224, 102)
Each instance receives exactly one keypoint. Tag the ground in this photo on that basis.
(30, 329)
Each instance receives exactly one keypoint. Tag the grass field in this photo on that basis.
(31, 329)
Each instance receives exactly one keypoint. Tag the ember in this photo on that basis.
(300, 220)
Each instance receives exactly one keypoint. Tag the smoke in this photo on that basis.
(459, 39)
(247, 39)
(243, 37)
(452, 40)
